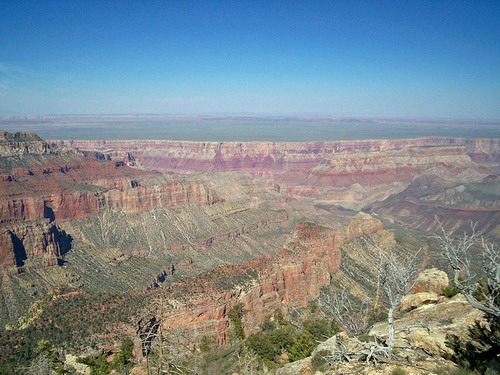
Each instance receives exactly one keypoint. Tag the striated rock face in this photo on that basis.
(456, 206)
(349, 173)
(67, 185)
(67, 204)
(292, 278)
(43, 185)
(36, 244)
(266, 158)
(22, 143)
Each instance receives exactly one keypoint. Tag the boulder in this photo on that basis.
(452, 316)
(413, 301)
(431, 280)
(301, 367)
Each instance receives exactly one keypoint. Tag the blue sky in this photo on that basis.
(383, 58)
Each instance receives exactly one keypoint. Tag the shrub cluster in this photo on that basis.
(281, 337)
(122, 361)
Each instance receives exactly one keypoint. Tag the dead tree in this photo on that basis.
(147, 331)
(458, 251)
(392, 273)
(352, 317)
(396, 273)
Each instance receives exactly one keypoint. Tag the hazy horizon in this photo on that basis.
(225, 128)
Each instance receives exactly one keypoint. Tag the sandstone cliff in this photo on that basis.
(349, 173)
(28, 244)
(291, 279)
(43, 183)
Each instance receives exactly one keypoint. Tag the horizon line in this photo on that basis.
(257, 115)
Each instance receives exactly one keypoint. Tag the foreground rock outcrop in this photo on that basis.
(441, 317)
(424, 320)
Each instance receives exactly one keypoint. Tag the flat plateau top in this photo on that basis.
(244, 128)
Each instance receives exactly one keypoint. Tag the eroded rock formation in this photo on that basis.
(42, 185)
(429, 201)
(205, 242)
(291, 279)
(349, 173)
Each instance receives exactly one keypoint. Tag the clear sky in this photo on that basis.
(386, 58)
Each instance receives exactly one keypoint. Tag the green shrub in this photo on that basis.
(206, 344)
(319, 329)
(464, 371)
(282, 337)
(262, 346)
(448, 370)
(302, 346)
(98, 364)
(313, 307)
(269, 343)
(45, 348)
(280, 318)
(480, 352)
(267, 325)
(334, 327)
(122, 359)
(236, 316)
(450, 291)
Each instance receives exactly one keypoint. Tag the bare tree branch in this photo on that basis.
(352, 317)
(457, 250)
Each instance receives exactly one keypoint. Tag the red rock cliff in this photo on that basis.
(42, 183)
(267, 158)
(348, 173)
(31, 245)
(292, 278)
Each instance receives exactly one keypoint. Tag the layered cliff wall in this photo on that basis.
(43, 184)
(347, 173)
(31, 245)
(71, 203)
(292, 279)
(267, 158)
(429, 202)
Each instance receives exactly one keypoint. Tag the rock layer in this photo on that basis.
(38, 244)
(266, 157)
(43, 184)
(429, 201)
(349, 173)
(292, 278)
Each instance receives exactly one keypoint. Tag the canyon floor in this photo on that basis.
(100, 240)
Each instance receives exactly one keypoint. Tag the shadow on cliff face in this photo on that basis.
(19, 250)
(48, 212)
(63, 239)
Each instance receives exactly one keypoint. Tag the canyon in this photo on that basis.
(203, 226)
(352, 174)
